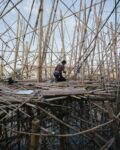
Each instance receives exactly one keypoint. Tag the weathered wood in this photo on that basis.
(65, 91)
(34, 139)
(40, 43)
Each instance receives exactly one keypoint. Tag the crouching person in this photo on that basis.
(59, 69)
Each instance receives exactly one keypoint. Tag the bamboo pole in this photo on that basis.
(17, 46)
(23, 58)
(85, 24)
(72, 47)
(34, 139)
(32, 4)
(46, 69)
(98, 20)
(39, 75)
(83, 44)
(80, 28)
(49, 28)
(97, 24)
(48, 34)
(1, 64)
(26, 57)
(103, 60)
(107, 60)
(33, 33)
(51, 57)
(62, 38)
(99, 56)
(111, 53)
(114, 40)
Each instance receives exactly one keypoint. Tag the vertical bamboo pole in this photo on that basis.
(83, 44)
(49, 31)
(17, 47)
(85, 22)
(114, 39)
(18, 129)
(79, 37)
(90, 57)
(102, 59)
(62, 38)
(46, 68)
(32, 37)
(23, 48)
(98, 22)
(51, 56)
(118, 89)
(99, 56)
(1, 64)
(72, 47)
(106, 54)
(26, 55)
(39, 75)
(93, 53)
(20, 35)
(49, 28)
(111, 54)
(34, 139)
(23, 56)
(78, 50)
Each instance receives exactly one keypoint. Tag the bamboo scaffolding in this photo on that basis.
(48, 113)
(72, 114)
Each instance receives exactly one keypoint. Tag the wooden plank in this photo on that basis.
(64, 91)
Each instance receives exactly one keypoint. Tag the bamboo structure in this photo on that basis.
(40, 45)
(35, 111)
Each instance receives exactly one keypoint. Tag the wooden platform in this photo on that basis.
(89, 91)
(63, 91)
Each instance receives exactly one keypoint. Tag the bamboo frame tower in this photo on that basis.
(82, 113)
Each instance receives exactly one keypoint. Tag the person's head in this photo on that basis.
(64, 62)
